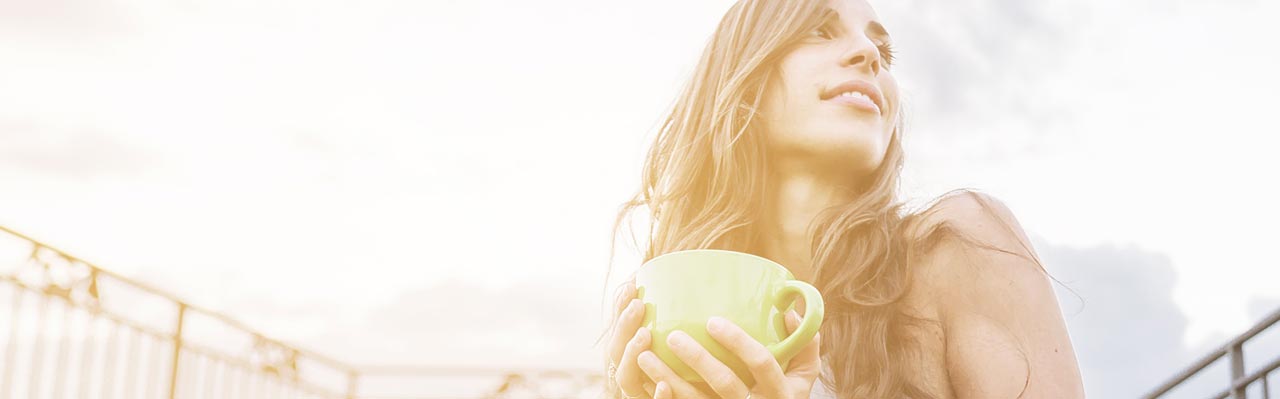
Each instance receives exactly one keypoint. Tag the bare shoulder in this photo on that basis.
(1004, 331)
(977, 230)
(979, 216)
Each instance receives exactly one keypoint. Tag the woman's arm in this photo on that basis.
(1005, 334)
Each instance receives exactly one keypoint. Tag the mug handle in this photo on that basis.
(790, 346)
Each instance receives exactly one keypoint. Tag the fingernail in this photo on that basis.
(677, 339)
(646, 356)
(716, 324)
(643, 332)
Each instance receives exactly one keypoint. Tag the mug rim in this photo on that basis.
(774, 264)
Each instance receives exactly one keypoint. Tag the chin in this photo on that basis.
(850, 142)
(836, 139)
(856, 153)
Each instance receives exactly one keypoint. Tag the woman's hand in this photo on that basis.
(771, 381)
(626, 340)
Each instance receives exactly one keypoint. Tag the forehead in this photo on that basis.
(855, 12)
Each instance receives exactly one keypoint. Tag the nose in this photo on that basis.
(862, 54)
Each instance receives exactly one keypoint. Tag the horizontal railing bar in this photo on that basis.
(213, 354)
(112, 317)
(1266, 322)
(186, 346)
(190, 307)
(1249, 379)
(227, 361)
(1187, 373)
(1205, 361)
(109, 273)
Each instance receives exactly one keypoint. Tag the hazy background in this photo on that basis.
(434, 182)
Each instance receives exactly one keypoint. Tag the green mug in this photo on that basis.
(681, 290)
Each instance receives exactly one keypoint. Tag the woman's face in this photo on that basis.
(832, 105)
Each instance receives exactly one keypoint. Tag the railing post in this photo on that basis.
(1237, 370)
(177, 350)
(10, 350)
(1266, 389)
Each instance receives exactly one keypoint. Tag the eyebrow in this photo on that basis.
(874, 27)
(877, 29)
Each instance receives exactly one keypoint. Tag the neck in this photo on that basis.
(796, 196)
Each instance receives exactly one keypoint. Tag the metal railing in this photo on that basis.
(1234, 352)
(72, 329)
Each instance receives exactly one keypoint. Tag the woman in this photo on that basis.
(787, 144)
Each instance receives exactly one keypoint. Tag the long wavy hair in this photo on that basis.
(704, 185)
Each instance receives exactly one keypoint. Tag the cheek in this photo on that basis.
(889, 88)
(801, 89)
(794, 84)
(776, 108)
(788, 104)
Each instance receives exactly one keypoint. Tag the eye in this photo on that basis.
(823, 32)
(886, 53)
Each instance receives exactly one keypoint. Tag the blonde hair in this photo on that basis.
(704, 181)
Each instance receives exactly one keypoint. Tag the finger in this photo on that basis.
(663, 391)
(623, 297)
(758, 359)
(807, 363)
(793, 321)
(651, 389)
(660, 372)
(628, 375)
(624, 329)
(720, 377)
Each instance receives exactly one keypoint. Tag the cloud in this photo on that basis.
(543, 322)
(1261, 307)
(1125, 327)
(67, 151)
(1263, 348)
(76, 19)
(981, 78)
(540, 323)
(983, 57)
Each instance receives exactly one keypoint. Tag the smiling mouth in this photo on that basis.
(857, 101)
(857, 94)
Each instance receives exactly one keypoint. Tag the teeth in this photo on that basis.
(854, 94)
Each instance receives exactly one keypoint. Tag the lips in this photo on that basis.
(856, 86)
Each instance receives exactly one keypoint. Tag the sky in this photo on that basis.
(399, 174)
